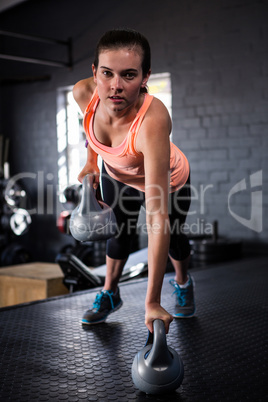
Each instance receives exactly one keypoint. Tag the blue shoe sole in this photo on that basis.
(86, 322)
(183, 316)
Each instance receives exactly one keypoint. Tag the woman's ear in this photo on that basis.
(94, 70)
(145, 79)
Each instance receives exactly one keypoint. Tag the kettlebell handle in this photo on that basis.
(90, 178)
(88, 201)
(157, 325)
(159, 354)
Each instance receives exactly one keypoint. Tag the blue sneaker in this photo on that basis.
(106, 302)
(185, 304)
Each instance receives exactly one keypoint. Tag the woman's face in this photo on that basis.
(119, 77)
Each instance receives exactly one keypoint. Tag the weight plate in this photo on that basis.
(14, 254)
(20, 221)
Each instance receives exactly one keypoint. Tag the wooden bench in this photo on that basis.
(29, 282)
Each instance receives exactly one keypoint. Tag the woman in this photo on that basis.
(130, 130)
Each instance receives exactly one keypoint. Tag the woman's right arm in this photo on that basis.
(91, 167)
(82, 92)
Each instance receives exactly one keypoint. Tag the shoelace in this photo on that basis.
(180, 293)
(98, 299)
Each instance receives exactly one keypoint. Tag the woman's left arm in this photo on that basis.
(153, 141)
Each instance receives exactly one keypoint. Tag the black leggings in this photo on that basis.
(126, 203)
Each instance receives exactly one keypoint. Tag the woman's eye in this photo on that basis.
(129, 76)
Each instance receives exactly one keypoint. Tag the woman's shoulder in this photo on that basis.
(158, 113)
(155, 126)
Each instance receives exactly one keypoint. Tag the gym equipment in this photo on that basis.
(157, 368)
(63, 221)
(14, 195)
(78, 276)
(72, 194)
(215, 248)
(90, 253)
(92, 220)
(20, 221)
(14, 254)
(14, 218)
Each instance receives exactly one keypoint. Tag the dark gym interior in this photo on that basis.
(215, 56)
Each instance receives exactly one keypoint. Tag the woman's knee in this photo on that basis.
(118, 249)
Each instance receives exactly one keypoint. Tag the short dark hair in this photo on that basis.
(119, 38)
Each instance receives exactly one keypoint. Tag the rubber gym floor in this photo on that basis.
(46, 354)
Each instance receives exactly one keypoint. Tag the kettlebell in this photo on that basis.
(157, 368)
(92, 220)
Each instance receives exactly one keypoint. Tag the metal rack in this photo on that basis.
(53, 63)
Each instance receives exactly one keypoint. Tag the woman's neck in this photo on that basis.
(120, 117)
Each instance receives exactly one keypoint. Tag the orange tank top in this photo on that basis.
(124, 163)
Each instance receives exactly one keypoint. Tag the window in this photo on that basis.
(160, 86)
(71, 136)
